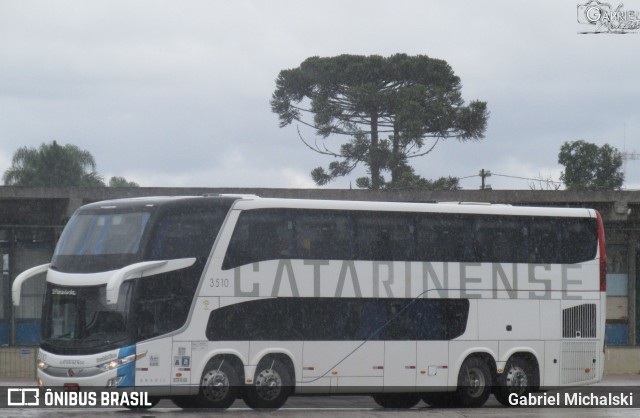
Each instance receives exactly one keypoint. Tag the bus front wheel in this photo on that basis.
(219, 386)
(474, 383)
(271, 386)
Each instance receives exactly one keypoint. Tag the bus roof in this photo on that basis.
(156, 201)
(498, 209)
(248, 202)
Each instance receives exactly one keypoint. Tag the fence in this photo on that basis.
(18, 362)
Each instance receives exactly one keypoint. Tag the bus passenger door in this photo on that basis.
(433, 365)
(153, 368)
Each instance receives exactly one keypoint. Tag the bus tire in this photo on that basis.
(219, 386)
(396, 400)
(474, 383)
(271, 386)
(438, 399)
(520, 376)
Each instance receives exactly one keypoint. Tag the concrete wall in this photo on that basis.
(622, 360)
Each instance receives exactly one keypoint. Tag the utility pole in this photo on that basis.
(484, 174)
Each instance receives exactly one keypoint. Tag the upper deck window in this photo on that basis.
(109, 237)
(109, 233)
(272, 234)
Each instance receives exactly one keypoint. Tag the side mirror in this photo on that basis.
(16, 287)
(145, 268)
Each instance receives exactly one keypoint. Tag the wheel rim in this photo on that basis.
(268, 384)
(215, 385)
(476, 383)
(517, 380)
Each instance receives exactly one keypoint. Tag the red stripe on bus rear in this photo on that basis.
(603, 254)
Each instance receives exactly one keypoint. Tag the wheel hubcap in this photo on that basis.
(268, 384)
(517, 380)
(215, 385)
(476, 382)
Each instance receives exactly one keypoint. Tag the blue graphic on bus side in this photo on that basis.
(127, 371)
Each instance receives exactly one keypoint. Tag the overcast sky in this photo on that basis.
(176, 93)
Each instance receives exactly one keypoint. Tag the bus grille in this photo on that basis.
(578, 361)
(579, 321)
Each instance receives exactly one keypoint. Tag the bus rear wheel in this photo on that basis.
(396, 400)
(272, 385)
(219, 386)
(474, 383)
(519, 377)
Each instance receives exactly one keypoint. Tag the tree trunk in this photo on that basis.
(374, 153)
(395, 156)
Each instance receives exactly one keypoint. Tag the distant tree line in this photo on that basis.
(55, 165)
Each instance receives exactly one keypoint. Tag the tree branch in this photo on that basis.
(317, 148)
(426, 152)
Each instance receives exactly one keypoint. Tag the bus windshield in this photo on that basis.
(78, 318)
(100, 241)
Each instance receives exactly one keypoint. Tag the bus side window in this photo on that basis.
(237, 254)
(384, 236)
(545, 242)
(581, 238)
(498, 240)
(145, 323)
(259, 235)
(322, 235)
(440, 238)
(182, 235)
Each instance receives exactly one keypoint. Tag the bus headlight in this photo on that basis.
(42, 365)
(114, 364)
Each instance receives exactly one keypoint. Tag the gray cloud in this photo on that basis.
(176, 93)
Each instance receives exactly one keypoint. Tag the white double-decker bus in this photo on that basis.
(208, 299)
